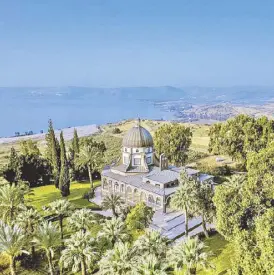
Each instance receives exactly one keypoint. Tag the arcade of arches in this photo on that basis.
(132, 194)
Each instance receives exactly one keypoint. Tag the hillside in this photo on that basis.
(113, 141)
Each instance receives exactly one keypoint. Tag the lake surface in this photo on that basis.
(29, 110)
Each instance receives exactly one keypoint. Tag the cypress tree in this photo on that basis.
(64, 180)
(75, 142)
(53, 153)
(74, 152)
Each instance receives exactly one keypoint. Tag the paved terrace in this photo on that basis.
(170, 224)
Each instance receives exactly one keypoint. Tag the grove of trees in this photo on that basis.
(245, 203)
(58, 165)
(29, 239)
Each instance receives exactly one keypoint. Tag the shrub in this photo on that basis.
(4, 262)
(216, 171)
(88, 195)
(195, 155)
(116, 131)
(139, 217)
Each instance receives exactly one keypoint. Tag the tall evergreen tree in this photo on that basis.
(53, 153)
(74, 152)
(64, 179)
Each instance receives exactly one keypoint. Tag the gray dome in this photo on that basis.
(138, 136)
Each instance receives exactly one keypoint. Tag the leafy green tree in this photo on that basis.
(139, 217)
(252, 229)
(64, 178)
(61, 208)
(190, 254)
(185, 197)
(239, 136)
(113, 202)
(113, 231)
(80, 251)
(11, 202)
(91, 156)
(121, 260)
(29, 148)
(215, 142)
(12, 243)
(53, 153)
(35, 170)
(47, 238)
(12, 173)
(229, 210)
(151, 265)
(29, 220)
(81, 220)
(152, 243)
(28, 167)
(173, 140)
(264, 234)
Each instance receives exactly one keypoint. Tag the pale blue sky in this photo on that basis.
(135, 43)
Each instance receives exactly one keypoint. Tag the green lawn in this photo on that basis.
(222, 253)
(44, 195)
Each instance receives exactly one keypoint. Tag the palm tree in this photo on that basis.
(152, 243)
(204, 205)
(11, 202)
(112, 202)
(12, 243)
(80, 251)
(28, 220)
(235, 181)
(118, 261)
(151, 265)
(91, 156)
(81, 219)
(185, 197)
(114, 230)
(61, 208)
(190, 254)
(47, 238)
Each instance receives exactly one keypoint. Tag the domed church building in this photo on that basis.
(141, 176)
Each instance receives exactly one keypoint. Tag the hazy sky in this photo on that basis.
(132, 43)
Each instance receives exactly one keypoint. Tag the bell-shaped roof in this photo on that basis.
(138, 137)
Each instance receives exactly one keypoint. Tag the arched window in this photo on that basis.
(151, 199)
(116, 187)
(125, 149)
(122, 188)
(105, 184)
(158, 201)
(143, 196)
(137, 150)
(129, 190)
(148, 160)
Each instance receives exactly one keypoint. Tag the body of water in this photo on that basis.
(30, 110)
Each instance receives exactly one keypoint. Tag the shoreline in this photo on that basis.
(83, 131)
